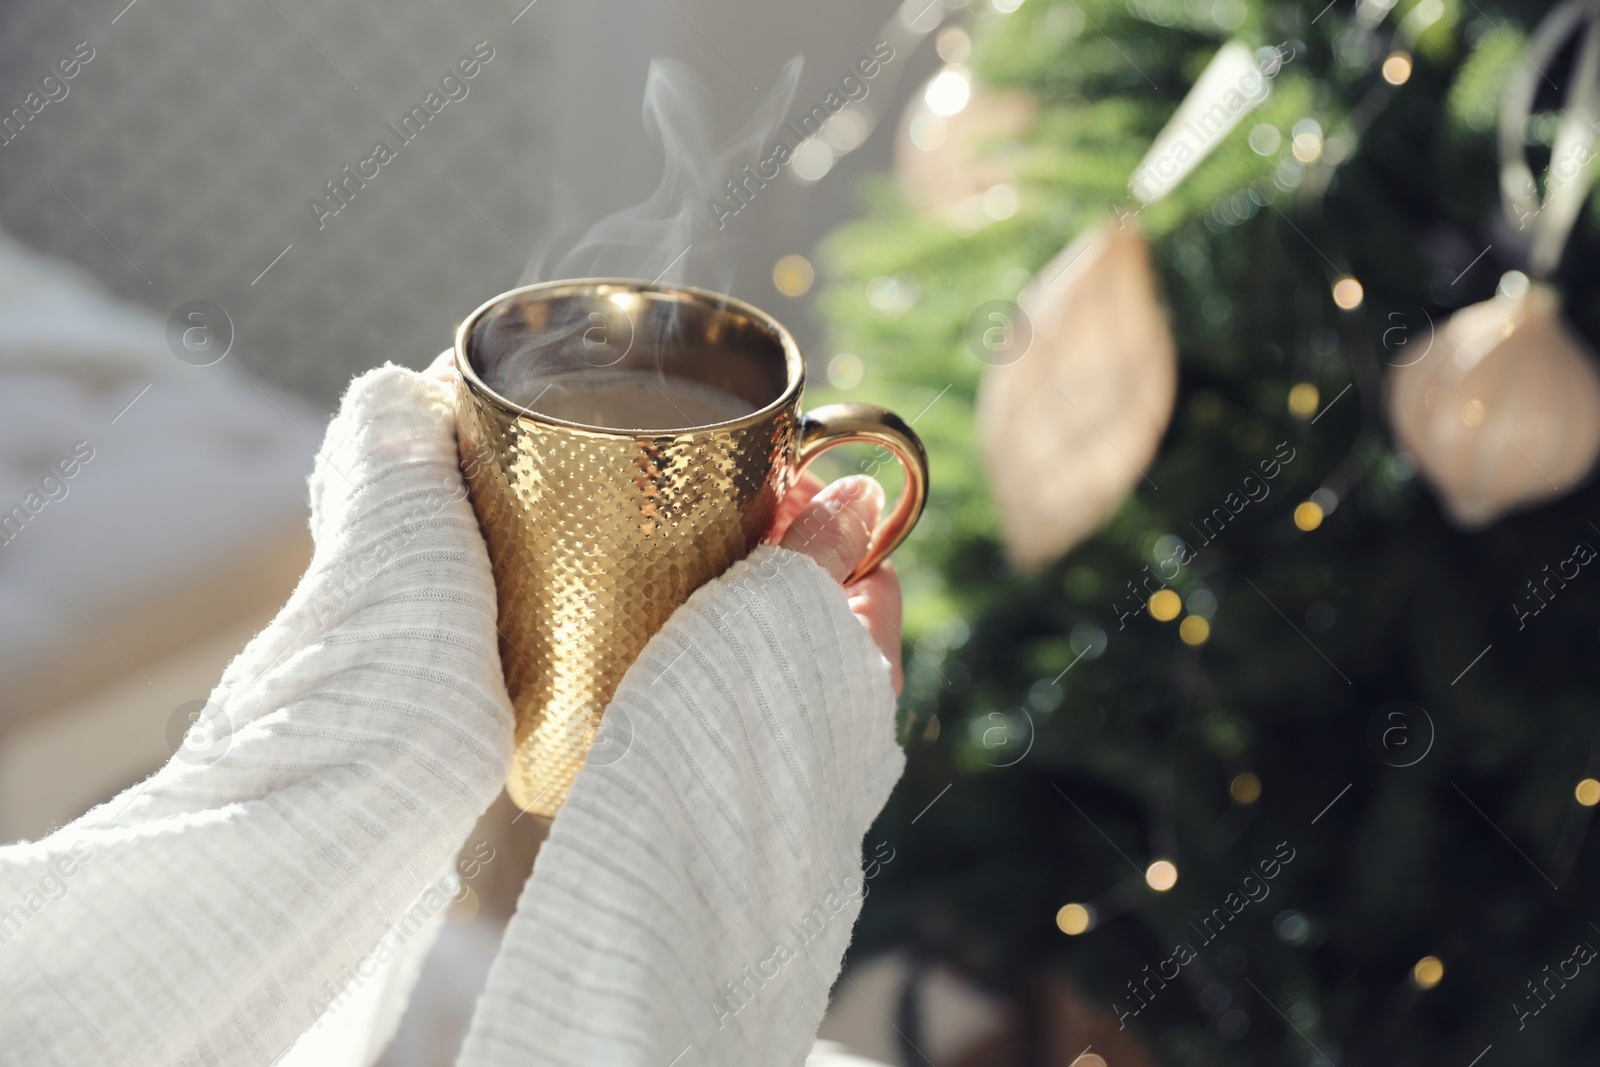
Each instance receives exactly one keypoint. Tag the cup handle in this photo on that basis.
(839, 424)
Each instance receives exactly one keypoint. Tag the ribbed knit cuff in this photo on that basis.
(698, 890)
(216, 911)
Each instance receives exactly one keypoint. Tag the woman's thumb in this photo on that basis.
(836, 527)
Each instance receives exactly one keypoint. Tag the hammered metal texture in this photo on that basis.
(595, 539)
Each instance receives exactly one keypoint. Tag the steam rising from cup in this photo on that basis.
(658, 238)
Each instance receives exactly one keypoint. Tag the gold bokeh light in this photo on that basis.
(1165, 605)
(1428, 972)
(1074, 919)
(1161, 875)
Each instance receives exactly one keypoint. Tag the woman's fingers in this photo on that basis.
(442, 368)
(875, 600)
(802, 493)
(835, 527)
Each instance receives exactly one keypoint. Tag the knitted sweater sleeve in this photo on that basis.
(216, 911)
(695, 896)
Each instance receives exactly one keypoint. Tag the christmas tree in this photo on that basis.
(1312, 786)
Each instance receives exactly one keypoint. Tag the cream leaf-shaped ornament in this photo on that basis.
(1072, 425)
(947, 162)
(1503, 411)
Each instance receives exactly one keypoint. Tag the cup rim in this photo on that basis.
(794, 362)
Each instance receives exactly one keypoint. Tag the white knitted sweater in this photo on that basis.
(267, 896)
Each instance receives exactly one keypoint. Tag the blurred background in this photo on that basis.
(1252, 646)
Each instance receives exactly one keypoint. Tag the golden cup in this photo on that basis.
(596, 535)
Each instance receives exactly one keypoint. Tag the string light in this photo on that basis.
(793, 275)
(1074, 919)
(811, 160)
(1307, 516)
(953, 45)
(1000, 201)
(1303, 400)
(1397, 68)
(948, 92)
(1588, 792)
(1194, 630)
(1305, 140)
(845, 371)
(1428, 972)
(1165, 605)
(1201, 602)
(1347, 293)
(1421, 17)
(1245, 788)
(1265, 139)
(928, 131)
(1161, 875)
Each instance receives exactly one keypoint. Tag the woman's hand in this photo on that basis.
(833, 525)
